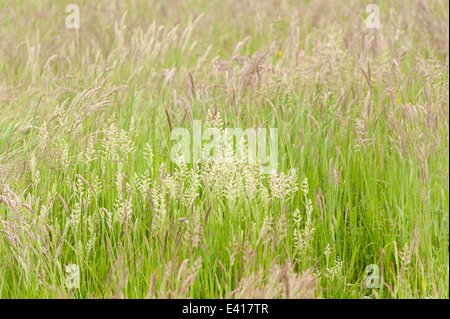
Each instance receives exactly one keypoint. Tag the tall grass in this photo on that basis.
(86, 176)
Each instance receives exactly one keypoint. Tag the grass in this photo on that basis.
(86, 176)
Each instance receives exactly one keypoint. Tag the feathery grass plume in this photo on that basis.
(65, 158)
(251, 180)
(327, 253)
(145, 182)
(292, 183)
(172, 186)
(35, 173)
(75, 216)
(190, 191)
(278, 185)
(96, 186)
(181, 170)
(303, 236)
(126, 143)
(159, 204)
(123, 209)
(335, 271)
(44, 138)
(89, 153)
(120, 181)
(148, 155)
(110, 140)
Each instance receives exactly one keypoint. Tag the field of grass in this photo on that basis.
(87, 177)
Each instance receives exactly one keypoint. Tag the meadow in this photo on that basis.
(357, 206)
